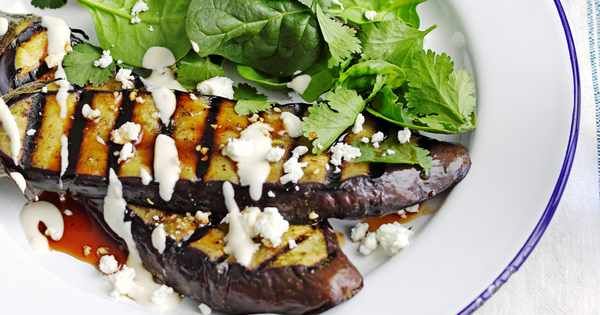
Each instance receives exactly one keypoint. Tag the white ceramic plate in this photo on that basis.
(522, 56)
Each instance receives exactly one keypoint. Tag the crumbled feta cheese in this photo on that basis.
(68, 212)
(128, 132)
(270, 225)
(45, 89)
(104, 61)
(31, 132)
(203, 217)
(358, 124)
(343, 152)
(159, 238)
(271, 194)
(126, 153)
(365, 140)
(275, 154)
(292, 244)
(368, 244)
(123, 282)
(108, 264)
(370, 15)
(126, 78)
(393, 237)
(359, 231)
(376, 138)
(389, 152)
(145, 176)
(312, 215)
(139, 7)
(300, 83)
(404, 135)
(150, 28)
(165, 297)
(292, 124)
(89, 113)
(100, 140)
(413, 209)
(217, 86)
(292, 168)
(204, 309)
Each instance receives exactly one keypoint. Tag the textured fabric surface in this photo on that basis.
(562, 276)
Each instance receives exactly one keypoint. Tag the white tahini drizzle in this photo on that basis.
(19, 180)
(238, 242)
(166, 165)
(9, 124)
(250, 151)
(159, 238)
(45, 212)
(161, 82)
(133, 280)
(64, 154)
(59, 43)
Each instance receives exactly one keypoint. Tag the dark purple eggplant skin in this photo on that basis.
(393, 188)
(287, 290)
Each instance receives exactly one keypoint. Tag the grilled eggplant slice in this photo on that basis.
(360, 189)
(310, 278)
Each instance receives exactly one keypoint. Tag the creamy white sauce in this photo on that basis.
(3, 26)
(195, 46)
(19, 180)
(217, 86)
(133, 280)
(165, 297)
(159, 238)
(165, 102)
(166, 165)
(64, 154)
(59, 43)
(238, 243)
(45, 212)
(292, 123)
(292, 168)
(250, 152)
(145, 176)
(300, 83)
(358, 124)
(9, 124)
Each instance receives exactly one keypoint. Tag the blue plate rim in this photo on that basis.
(559, 187)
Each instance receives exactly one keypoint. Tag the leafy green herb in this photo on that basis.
(391, 151)
(341, 39)
(327, 120)
(162, 25)
(80, 69)
(393, 41)
(355, 10)
(261, 79)
(370, 76)
(193, 69)
(48, 4)
(249, 101)
(273, 36)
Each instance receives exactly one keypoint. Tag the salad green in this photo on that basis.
(355, 56)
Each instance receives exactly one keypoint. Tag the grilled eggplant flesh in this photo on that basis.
(310, 278)
(200, 128)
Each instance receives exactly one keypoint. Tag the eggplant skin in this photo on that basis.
(295, 289)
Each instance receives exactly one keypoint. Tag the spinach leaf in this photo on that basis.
(371, 75)
(79, 66)
(273, 36)
(327, 120)
(354, 10)
(48, 4)
(390, 151)
(393, 41)
(193, 69)
(162, 25)
(259, 78)
(249, 101)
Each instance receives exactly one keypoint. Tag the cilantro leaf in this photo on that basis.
(341, 39)
(80, 69)
(390, 151)
(440, 97)
(249, 101)
(48, 4)
(193, 69)
(393, 41)
(327, 120)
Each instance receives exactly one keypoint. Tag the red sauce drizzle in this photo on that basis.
(376, 222)
(82, 231)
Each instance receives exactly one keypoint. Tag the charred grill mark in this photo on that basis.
(228, 125)
(285, 248)
(94, 156)
(189, 127)
(124, 115)
(207, 139)
(76, 133)
(8, 54)
(37, 103)
(46, 154)
(145, 114)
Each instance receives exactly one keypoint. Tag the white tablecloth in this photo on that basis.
(562, 276)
